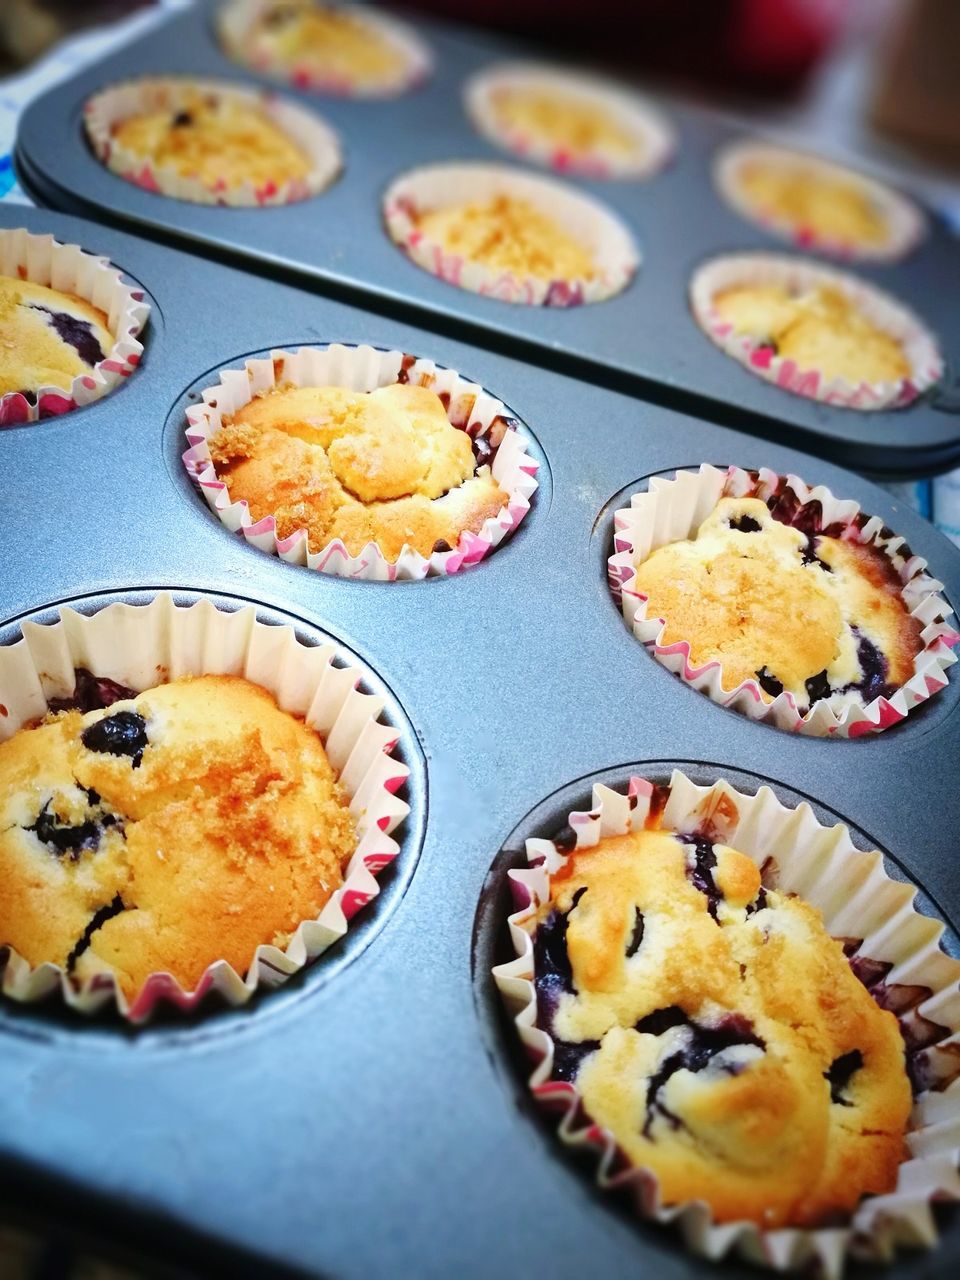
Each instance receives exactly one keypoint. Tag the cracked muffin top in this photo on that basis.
(505, 233)
(817, 328)
(47, 338)
(385, 466)
(813, 200)
(170, 829)
(566, 120)
(717, 1031)
(325, 43)
(808, 613)
(220, 140)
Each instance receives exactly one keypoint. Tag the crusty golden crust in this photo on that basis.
(229, 832)
(384, 467)
(327, 41)
(833, 207)
(509, 234)
(819, 328)
(738, 1056)
(568, 120)
(756, 599)
(32, 353)
(219, 140)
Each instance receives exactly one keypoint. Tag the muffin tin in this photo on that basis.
(645, 339)
(371, 1116)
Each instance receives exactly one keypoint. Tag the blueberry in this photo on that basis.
(840, 1073)
(745, 524)
(636, 935)
(122, 734)
(769, 682)
(77, 333)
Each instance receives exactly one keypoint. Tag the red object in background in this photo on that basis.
(752, 46)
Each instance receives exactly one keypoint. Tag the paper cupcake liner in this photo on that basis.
(797, 854)
(120, 101)
(131, 644)
(905, 222)
(469, 408)
(919, 344)
(588, 222)
(236, 23)
(66, 267)
(653, 136)
(671, 510)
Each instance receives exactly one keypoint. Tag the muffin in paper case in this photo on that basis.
(241, 24)
(306, 130)
(671, 510)
(41, 260)
(139, 647)
(651, 137)
(591, 226)
(892, 949)
(468, 406)
(919, 346)
(903, 222)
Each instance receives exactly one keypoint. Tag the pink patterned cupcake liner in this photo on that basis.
(919, 345)
(237, 22)
(130, 645)
(895, 951)
(312, 135)
(904, 221)
(68, 268)
(469, 408)
(581, 217)
(673, 509)
(653, 138)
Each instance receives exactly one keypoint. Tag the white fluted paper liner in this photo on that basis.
(673, 509)
(918, 343)
(313, 136)
(469, 407)
(858, 899)
(596, 229)
(68, 268)
(133, 644)
(237, 22)
(904, 221)
(652, 136)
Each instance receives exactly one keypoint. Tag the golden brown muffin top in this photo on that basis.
(47, 338)
(505, 233)
(813, 200)
(818, 328)
(332, 42)
(718, 1032)
(810, 615)
(384, 466)
(187, 825)
(564, 119)
(220, 140)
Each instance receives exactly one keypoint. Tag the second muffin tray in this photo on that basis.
(371, 1116)
(644, 339)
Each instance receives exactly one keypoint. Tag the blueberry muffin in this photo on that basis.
(576, 125)
(508, 234)
(815, 615)
(817, 328)
(813, 200)
(325, 44)
(384, 466)
(47, 338)
(165, 830)
(718, 1033)
(219, 140)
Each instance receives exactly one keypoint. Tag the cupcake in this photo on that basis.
(780, 601)
(816, 204)
(68, 327)
(509, 235)
(360, 463)
(211, 143)
(815, 332)
(574, 124)
(168, 841)
(697, 1007)
(348, 51)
